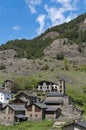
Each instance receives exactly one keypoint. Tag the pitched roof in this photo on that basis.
(19, 100)
(47, 82)
(55, 94)
(51, 109)
(41, 105)
(53, 101)
(17, 107)
(27, 94)
(8, 81)
(81, 123)
(20, 116)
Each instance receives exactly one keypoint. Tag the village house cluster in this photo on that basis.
(28, 106)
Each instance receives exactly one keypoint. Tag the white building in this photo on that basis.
(5, 97)
(46, 86)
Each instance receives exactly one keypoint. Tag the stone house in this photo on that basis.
(78, 125)
(55, 99)
(59, 100)
(27, 106)
(18, 102)
(36, 111)
(7, 85)
(52, 113)
(46, 86)
(27, 97)
(78, 111)
(12, 113)
(40, 111)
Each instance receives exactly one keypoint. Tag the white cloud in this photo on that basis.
(67, 4)
(16, 28)
(70, 17)
(41, 21)
(54, 15)
(32, 4)
(57, 14)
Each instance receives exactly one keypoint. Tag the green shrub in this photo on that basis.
(60, 56)
(46, 67)
(2, 67)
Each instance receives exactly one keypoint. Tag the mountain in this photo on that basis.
(58, 53)
(69, 38)
(55, 48)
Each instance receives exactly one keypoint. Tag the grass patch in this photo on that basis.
(43, 125)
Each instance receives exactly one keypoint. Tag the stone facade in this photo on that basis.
(27, 106)
(19, 102)
(7, 116)
(7, 85)
(34, 112)
(9, 113)
(52, 113)
(27, 97)
(40, 111)
(57, 100)
(79, 125)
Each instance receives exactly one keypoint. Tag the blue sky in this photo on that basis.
(29, 18)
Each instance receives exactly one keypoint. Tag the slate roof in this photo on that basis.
(55, 94)
(41, 105)
(27, 94)
(20, 100)
(53, 101)
(81, 123)
(17, 107)
(47, 83)
(51, 109)
(20, 116)
(8, 81)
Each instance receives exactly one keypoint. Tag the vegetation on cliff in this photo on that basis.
(34, 48)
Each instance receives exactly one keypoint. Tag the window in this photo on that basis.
(60, 91)
(8, 117)
(40, 87)
(36, 115)
(7, 98)
(60, 86)
(4, 117)
(47, 87)
(30, 115)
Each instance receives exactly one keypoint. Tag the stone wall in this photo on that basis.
(6, 119)
(50, 116)
(34, 115)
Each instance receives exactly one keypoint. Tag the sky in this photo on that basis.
(26, 19)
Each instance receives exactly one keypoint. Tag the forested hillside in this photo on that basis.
(60, 52)
(75, 31)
